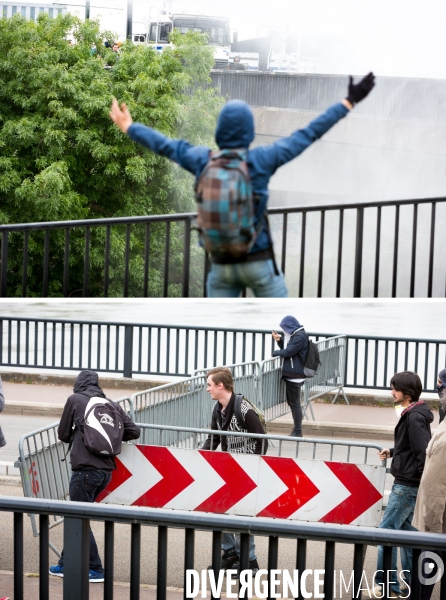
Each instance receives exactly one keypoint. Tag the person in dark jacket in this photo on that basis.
(412, 436)
(293, 349)
(2, 406)
(235, 129)
(91, 472)
(220, 385)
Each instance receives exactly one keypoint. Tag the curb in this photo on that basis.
(344, 431)
(119, 383)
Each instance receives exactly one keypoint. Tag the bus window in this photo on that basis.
(152, 36)
(164, 31)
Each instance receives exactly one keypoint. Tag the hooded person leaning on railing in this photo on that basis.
(2, 406)
(255, 269)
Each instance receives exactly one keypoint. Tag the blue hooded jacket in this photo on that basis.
(295, 353)
(235, 129)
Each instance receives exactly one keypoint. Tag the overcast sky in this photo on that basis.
(391, 37)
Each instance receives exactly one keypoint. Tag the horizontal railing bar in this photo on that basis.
(260, 436)
(211, 522)
(96, 222)
(189, 216)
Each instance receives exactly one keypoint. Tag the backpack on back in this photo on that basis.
(239, 415)
(103, 427)
(312, 361)
(225, 205)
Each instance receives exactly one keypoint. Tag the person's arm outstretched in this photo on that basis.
(285, 149)
(191, 158)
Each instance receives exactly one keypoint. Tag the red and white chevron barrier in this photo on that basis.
(246, 484)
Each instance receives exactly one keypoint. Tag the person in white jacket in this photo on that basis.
(430, 508)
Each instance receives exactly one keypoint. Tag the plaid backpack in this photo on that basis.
(225, 205)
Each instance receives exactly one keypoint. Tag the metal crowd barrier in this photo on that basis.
(262, 382)
(245, 375)
(331, 373)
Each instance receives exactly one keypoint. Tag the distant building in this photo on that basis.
(31, 10)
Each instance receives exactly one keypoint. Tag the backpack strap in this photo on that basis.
(238, 410)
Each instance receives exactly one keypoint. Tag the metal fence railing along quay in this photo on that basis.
(178, 350)
(77, 516)
(338, 250)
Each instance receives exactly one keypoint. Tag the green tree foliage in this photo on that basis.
(62, 158)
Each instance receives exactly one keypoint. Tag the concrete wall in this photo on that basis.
(361, 158)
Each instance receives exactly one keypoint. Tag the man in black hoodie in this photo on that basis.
(293, 349)
(412, 435)
(91, 472)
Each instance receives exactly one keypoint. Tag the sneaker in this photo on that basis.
(95, 576)
(378, 592)
(56, 570)
(253, 566)
(228, 559)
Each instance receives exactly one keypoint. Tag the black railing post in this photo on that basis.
(76, 558)
(128, 351)
(186, 258)
(18, 556)
(4, 259)
(358, 252)
(135, 561)
(108, 559)
(44, 538)
(189, 549)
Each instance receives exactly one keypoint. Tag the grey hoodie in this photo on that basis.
(2, 406)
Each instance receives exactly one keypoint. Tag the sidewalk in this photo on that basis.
(120, 590)
(358, 420)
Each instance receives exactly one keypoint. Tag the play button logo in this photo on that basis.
(430, 568)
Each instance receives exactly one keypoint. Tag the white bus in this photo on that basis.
(30, 10)
(157, 32)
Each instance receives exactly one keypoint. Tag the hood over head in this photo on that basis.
(235, 125)
(88, 381)
(289, 324)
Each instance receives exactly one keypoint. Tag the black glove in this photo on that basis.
(358, 91)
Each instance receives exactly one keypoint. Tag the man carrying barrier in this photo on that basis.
(232, 188)
(233, 412)
(293, 349)
(90, 422)
(412, 435)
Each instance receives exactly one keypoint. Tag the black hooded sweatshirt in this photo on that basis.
(412, 435)
(87, 386)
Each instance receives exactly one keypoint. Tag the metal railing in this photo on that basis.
(179, 350)
(77, 516)
(323, 251)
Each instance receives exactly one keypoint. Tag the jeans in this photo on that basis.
(293, 394)
(398, 515)
(85, 486)
(228, 281)
(229, 542)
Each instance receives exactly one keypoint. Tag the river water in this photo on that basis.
(400, 318)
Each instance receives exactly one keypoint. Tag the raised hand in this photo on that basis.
(358, 91)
